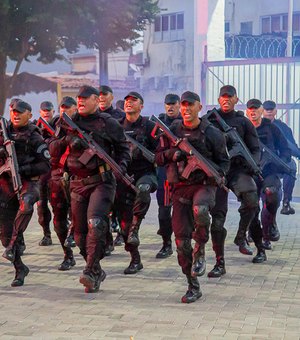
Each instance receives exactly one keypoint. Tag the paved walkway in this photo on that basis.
(252, 301)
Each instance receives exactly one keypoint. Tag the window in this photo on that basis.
(246, 27)
(169, 27)
(275, 23)
(266, 25)
(165, 23)
(279, 23)
(227, 27)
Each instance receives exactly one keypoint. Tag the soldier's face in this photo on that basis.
(189, 111)
(227, 102)
(132, 105)
(47, 114)
(254, 114)
(105, 100)
(69, 110)
(172, 109)
(20, 119)
(270, 114)
(87, 105)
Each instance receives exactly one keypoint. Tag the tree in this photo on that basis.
(42, 28)
(116, 24)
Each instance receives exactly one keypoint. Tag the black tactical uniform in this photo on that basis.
(15, 215)
(115, 113)
(43, 211)
(60, 197)
(132, 209)
(241, 182)
(92, 186)
(270, 188)
(164, 211)
(193, 197)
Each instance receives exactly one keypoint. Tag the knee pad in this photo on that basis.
(98, 226)
(26, 204)
(184, 246)
(201, 215)
(144, 194)
(249, 200)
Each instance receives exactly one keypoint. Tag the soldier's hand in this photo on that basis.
(178, 156)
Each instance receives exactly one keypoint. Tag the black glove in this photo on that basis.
(3, 153)
(76, 143)
(169, 154)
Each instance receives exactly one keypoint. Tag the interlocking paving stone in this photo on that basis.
(252, 301)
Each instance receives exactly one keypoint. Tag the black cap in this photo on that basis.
(14, 100)
(190, 97)
(86, 91)
(21, 106)
(227, 89)
(171, 98)
(254, 103)
(105, 89)
(47, 106)
(135, 95)
(269, 105)
(68, 101)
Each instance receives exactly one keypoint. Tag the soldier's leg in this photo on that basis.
(245, 189)
(146, 184)
(43, 211)
(203, 201)
(183, 224)
(288, 184)
(60, 209)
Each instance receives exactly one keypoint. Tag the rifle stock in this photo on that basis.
(95, 149)
(195, 159)
(42, 122)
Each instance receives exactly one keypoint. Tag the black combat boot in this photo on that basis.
(274, 232)
(133, 236)
(166, 250)
(135, 263)
(118, 240)
(21, 272)
(287, 209)
(244, 247)
(46, 241)
(219, 268)
(261, 256)
(199, 263)
(67, 263)
(193, 293)
(9, 253)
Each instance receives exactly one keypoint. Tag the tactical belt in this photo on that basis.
(78, 181)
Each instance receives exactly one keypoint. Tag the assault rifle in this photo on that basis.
(96, 149)
(195, 159)
(42, 122)
(146, 153)
(239, 148)
(268, 156)
(11, 163)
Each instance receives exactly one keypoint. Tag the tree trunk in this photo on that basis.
(4, 82)
(103, 68)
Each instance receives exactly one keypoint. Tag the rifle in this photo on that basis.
(239, 148)
(146, 153)
(42, 122)
(11, 163)
(95, 149)
(195, 159)
(268, 156)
